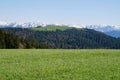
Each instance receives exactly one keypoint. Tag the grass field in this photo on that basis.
(59, 64)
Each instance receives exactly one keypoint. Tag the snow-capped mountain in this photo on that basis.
(103, 28)
(20, 25)
(111, 30)
(3, 23)
(114, 33)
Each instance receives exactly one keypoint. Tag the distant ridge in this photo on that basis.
(112, 30)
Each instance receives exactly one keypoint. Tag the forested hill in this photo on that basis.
(69, 39)
(10, 41)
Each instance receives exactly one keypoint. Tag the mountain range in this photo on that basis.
(111, 30)
(37, 35)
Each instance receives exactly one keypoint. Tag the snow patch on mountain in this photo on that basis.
(104, 28)
(3, 23)
(20, 25)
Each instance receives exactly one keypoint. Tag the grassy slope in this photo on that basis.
(52, 28)
(59, 64)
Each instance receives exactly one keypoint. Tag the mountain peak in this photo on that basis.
(3, 23)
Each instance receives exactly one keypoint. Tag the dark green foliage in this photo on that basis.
(69, 39)
(10, 41)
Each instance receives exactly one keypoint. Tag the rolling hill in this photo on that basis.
(51, 28)
(69, 38)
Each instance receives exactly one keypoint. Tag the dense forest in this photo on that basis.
(10, 41)
(68, 39)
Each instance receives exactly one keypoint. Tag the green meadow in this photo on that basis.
(51, 28)
(59, 64)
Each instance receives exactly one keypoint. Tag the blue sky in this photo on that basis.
(61, 11)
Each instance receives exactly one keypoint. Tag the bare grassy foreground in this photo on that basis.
(49, 64)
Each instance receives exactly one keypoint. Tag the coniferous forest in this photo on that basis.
(10, 41)
(67, 39)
